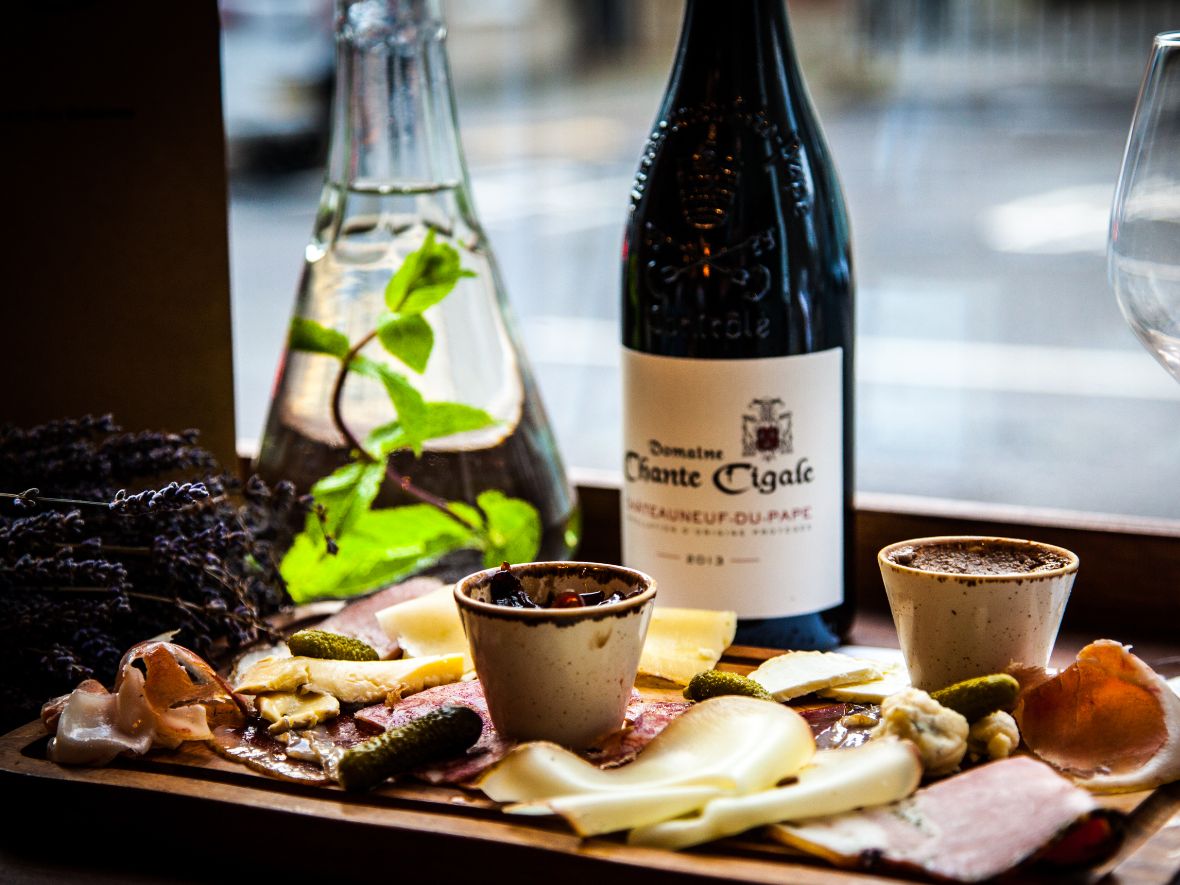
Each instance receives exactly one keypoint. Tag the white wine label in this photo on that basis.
(733, 480)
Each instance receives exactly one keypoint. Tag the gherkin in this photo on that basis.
(439, 734)
(332, 646)
(975, 698)
(712, 683)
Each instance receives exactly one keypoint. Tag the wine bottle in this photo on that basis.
(737, 340)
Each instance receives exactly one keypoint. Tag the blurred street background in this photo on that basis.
(978, 142)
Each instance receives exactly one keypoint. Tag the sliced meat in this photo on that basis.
(488, 750)
(966, 828)
(94, 726)
(645, 719)
(384, 717)
(1108, 720)
(51, 710)
(254, 747)
(357, 618)
(302, 757)
(164, 695)
(841, 725)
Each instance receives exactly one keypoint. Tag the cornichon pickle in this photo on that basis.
(975, 698)
(437, 735)
(712, 683)
(322, 644)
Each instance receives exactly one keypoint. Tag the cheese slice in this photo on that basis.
(893, 679)
(797, 673)
(682, 642)
(836, 781)
(428, 625)
(353, 682)
(287, 710)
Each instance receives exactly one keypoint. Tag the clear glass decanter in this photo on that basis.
(395, 173)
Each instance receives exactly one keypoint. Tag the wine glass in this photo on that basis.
(1143, 255)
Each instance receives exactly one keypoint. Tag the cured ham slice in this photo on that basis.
(164, 695)
(966, 828)
(1108, 720)
(185, 696)
(94, 726)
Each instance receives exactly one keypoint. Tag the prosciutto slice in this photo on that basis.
(1108, 720)
(966, 828)
(164, 695)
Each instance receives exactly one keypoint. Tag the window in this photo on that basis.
(978, 142)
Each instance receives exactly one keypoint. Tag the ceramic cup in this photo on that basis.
(558, 674)
(954, 626)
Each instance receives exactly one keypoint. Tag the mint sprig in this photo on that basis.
(350, 547)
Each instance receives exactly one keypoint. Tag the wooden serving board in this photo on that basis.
(447, 833)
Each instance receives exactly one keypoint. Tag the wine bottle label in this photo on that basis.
(733, 480)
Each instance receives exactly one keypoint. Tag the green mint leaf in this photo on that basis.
(411, 408)
(384, 546)
(513, 528)
(444, 419)
(425, 278)
(467, 512)
(385, 439)
(409, 338)
(309, 336)
(346, 495)
(440, 419)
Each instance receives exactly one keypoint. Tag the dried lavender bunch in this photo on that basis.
(170, 497)
(54, 432)
(89, 568)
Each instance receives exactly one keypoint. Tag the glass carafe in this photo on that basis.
(396, 174)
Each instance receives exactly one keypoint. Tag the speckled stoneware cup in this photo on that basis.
(955, 626)
(557, 674)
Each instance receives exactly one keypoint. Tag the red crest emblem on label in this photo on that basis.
(766, 432)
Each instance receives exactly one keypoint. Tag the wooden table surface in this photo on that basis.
(96, 832)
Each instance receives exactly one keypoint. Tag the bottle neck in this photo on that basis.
(393, 126)
(733, 50)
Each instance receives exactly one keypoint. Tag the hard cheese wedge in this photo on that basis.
(353, 682)
(428, 625)
(893, 679)
(797, 673)
(682, 642)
